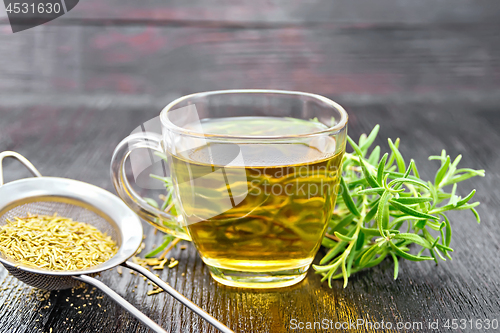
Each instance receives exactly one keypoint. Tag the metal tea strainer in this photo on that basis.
(84, 203)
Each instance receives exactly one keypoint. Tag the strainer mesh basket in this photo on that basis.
(71, 210)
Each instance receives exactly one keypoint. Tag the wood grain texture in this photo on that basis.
(242, 13)
(77, 143)
(275, 13)
(147, 66)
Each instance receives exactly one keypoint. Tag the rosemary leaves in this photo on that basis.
(385, 207)
(55, 243)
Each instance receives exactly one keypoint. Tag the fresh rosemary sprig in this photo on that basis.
(167, 240)
(377, 197)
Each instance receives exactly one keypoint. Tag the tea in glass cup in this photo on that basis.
(255, 175)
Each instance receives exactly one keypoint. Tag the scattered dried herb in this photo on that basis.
(154, 291)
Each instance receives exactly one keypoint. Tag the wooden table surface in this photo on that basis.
(428, 72)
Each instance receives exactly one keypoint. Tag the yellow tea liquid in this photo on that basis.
(265, 210)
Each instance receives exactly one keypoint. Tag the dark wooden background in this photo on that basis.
(427, 71)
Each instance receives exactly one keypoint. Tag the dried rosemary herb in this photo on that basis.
(55, 243)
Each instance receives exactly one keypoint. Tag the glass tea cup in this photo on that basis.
(254, 174)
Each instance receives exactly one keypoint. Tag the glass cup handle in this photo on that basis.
(21, 159)
(162, 220)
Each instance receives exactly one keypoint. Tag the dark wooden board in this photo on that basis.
(242, 13)
(427, 71)
(277, 13)
(148, 66)
(78, 142)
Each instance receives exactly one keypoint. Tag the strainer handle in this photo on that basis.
(21, 159)
(158, 218)
(178, 296)
(167, 288)
(121, 301)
